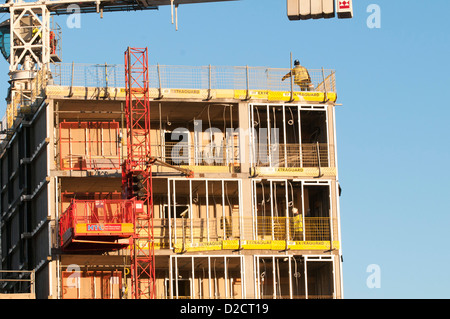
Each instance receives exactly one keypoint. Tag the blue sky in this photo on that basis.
(393, 140)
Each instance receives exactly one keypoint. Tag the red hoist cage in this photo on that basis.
(136, 167)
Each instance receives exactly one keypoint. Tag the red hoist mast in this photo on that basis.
(136, 171)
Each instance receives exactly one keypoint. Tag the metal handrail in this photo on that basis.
(20, 279)
(190, 77)
(179, 153)
(198, 230)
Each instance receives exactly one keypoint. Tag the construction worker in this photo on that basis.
(33, 33)
(301, 76)
(53, 43)
(298, 225)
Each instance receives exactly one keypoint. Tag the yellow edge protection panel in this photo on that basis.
(255, 245)
(312, 245)
(285, 96)
(186, 93)
(254, 94)
(305, 96)
(230, 244)
(278, 245)
(246, 244)
(203, 246)
(302, 96)
(301, 171)
(223, 94)
(85, 92)
(103, 229)
(156, 245)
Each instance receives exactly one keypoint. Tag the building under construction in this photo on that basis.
(151, 181)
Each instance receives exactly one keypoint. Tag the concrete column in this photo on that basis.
(250, 277)
(247, 196)
(244, 139)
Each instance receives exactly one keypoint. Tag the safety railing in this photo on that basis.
(181, 153)
(173, 154)
(292, 155)
(198, 230)
(191, 77)
(99, 211)
(87, 75)
(203, 229)
(105, 154)
(288, 228)
(17, 284)
(89, 162)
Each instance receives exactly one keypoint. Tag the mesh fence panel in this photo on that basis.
(190, 77)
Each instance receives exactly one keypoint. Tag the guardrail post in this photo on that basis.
(71, 81)
(106, 81)
(32, 282)
(247, 97)
(160, 96)
(318, 158)
(288, 219)
(292, 82)
(325, 98)
(209, 83)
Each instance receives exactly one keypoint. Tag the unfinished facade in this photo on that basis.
(258, 217)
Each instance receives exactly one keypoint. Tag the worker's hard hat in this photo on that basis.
(296, 62)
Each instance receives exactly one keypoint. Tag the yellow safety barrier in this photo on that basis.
(263, 233)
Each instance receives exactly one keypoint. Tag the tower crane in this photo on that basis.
(29, 42)
(29, 38)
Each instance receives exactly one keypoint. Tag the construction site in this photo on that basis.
(148, 181)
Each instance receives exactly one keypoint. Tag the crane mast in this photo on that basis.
(137, 171)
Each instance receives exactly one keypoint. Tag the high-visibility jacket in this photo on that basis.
(36, 30)
(298, 224)
(300, 74)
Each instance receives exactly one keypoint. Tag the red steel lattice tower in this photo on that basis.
(136, 171)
